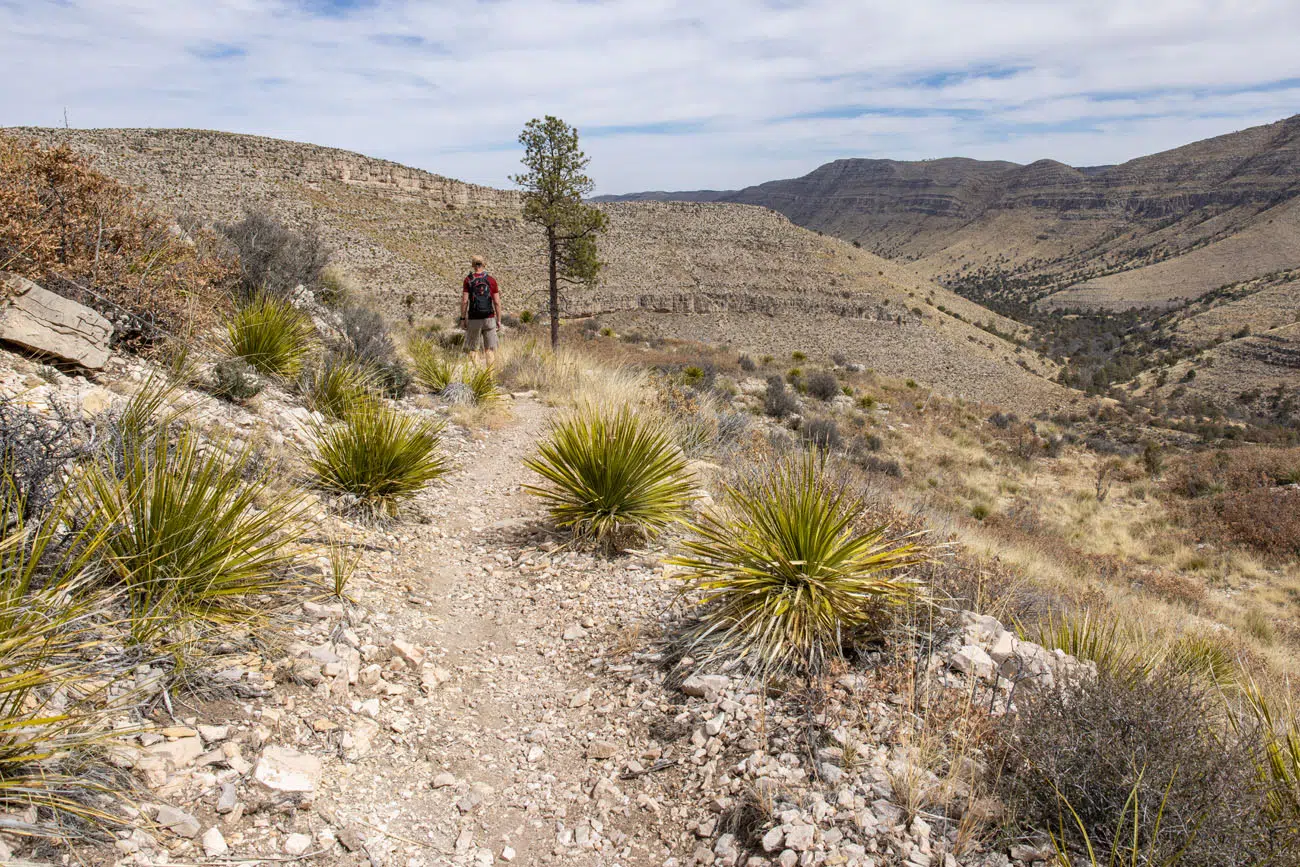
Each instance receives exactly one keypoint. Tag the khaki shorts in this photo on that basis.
(475, 327)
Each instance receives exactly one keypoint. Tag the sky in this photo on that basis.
(666, 94)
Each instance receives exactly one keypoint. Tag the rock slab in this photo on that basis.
(41, 321)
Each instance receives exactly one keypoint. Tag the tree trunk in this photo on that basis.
(552, 247)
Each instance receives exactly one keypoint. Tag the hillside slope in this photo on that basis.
(1107, 236)
(719, 273)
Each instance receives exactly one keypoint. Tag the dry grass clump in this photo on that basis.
(274, 259)
(787, 579)
(378, 455)
(61, 218)
(612, 476)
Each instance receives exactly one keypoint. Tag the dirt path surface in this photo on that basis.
(509, 749)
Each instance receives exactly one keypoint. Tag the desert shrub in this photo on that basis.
(778, 402)
(525, 317)
(1246, 496)
(1140, 770)
(787, 578)
(866, 401)
(234, 379)
(35, 449)
(824, 433)
(190, 536)
(379, 456)
(509, 320)
(332, 289)
(56, 664)
(590, 326)
(272, 336)
(876, 464)
(274, 259)
(482, 384)
(432, 368)
(368, 341)
(67, 226)
(746, 364)
(822, 384)
(337, 385)
(611, 476)
(798, 356)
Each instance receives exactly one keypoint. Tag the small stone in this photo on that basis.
(409, 653)
(507, 854)
(179, 822)
(773, 839)
(284, 770)
(535, 754)
(323, 725)
(799, 838)
(214, 845)
(580, 698)
(228, 799)
(574, 632)
(705, 686)
(788, 858)
(296, 844)
(601, 750)
(444, 780)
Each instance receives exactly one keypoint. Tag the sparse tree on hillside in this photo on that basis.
(554, 185)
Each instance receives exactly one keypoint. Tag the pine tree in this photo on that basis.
(554, 185)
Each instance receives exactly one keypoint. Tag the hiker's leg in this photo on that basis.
(490, 341)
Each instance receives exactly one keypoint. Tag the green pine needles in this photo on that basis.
(786, 575)
(379, 455)
(613, 477)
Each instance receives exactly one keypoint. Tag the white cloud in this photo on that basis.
(673, 93)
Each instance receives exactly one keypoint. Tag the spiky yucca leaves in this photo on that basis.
(272, 335)
(1277, 763)
(482, 382)
(337, 385)
(379, 455)
(190, 538)
(433, 369)
(613, 476)
(52, 708)
(786, 575)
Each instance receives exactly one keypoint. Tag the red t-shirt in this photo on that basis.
(492, 285)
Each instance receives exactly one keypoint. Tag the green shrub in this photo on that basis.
(786, 576)
(433, 369)
(271, 335)
(337, 385)
(798, 356)
(612, 476)
(778, 402)
(233, 380)
(54, 667)
(378, 455)
(525, 317)
(190, 537)
(482, 382)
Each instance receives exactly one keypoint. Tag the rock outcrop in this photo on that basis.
(50, 325)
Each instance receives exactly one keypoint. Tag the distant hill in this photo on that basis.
(717, 273)
(659, 196)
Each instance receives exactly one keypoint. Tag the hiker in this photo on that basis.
(480, 309)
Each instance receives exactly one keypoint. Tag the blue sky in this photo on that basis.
(669, 94)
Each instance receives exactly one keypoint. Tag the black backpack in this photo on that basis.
(480, 297)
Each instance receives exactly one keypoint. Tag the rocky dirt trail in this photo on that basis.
(500, 754)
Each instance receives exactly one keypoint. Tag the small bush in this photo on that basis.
(482, 383)
(747, 364)
(798, 356)
(433, 370)
(866, 401)
(979, 511)
(274, 259)
(233, 379)
(778, 402)
(35, 449)
(272, 336)
(612, 476)
(884, 466)
(368, 341)
(787, 578)
(379, 456)
(1138, 769)
(337, 386)
(190, 536)
(823, 385)
(823, 433)
(1245, 496)
(509, 320)
(332, 289)
(525, 317)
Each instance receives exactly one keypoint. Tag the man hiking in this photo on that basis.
(480, 309)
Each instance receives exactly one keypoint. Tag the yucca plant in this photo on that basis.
(433, 369)
(786, 576)
(378, 455)
(189, 537)
(337, 385)
(52, 707)
(1277, 764)
(271, 335)
(482, 382)
(613, 476)
(1088, 637)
